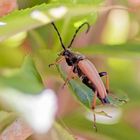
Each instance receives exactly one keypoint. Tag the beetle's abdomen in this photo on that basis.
(89, 70)
(88, 83)
(105, 100)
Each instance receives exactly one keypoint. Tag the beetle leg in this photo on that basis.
(68, 77)
(94, 100)
(107, 80)
(93, 107)
(57, 61)
(117, 98)
(94, 122)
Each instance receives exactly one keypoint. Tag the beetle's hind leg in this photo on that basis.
(57, 61)
(98, 112)
(106, 80)
(94, 122)
(93, 107)
(94, 100)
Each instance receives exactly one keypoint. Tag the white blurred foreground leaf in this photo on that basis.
(38, 110)
(2, 23)
(106, 114)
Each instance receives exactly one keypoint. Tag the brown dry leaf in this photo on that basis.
(133, 118)
(18, 130)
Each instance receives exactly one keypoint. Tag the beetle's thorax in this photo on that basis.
(72, 58)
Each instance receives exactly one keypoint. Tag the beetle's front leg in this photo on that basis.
(107, 80)
(69, 76)
(57, 61)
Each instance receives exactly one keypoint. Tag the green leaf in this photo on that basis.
(61, 133)
(30, 3)
(112, 50)
(79, 1)
(26, 79)
(14, 41)
(85, 95)
(117, 130)
(82, 92)
(10, 57)
(119, 98)
(21, 20)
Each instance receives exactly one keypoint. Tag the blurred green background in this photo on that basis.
(112, 44)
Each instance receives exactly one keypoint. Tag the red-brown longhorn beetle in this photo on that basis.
(85, 70)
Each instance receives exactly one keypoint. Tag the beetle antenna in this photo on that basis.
(59, 36)
(88, 27)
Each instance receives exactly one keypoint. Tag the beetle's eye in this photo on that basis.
(65, 53)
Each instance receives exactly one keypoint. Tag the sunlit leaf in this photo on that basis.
(24, 20)
(106, 114)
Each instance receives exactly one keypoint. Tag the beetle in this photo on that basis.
(85, 70)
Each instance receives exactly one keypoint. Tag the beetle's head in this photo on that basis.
(71, 57)
(66, 53)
